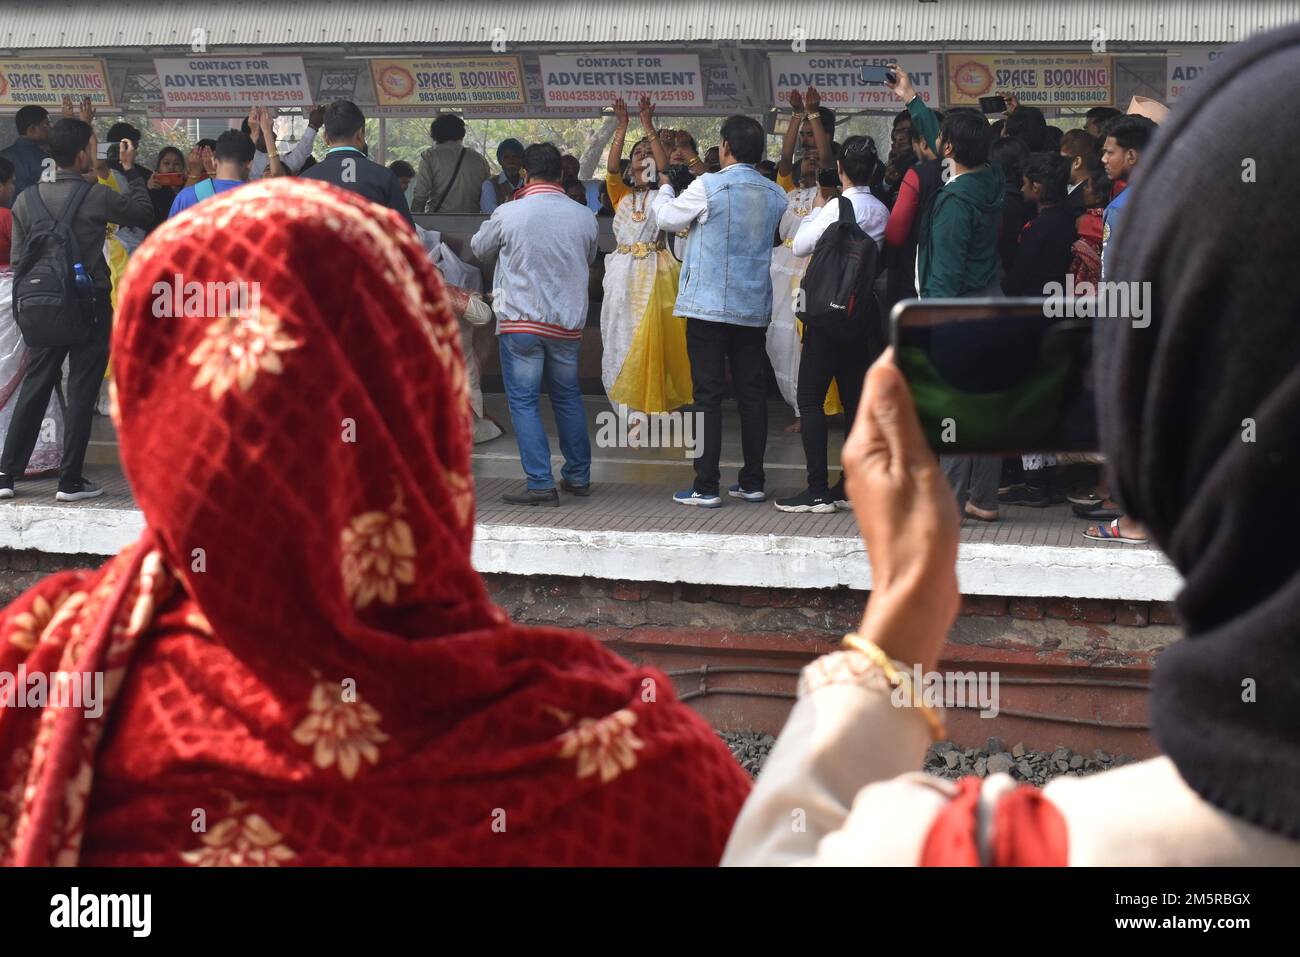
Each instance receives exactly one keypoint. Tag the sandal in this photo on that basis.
(1111, 533)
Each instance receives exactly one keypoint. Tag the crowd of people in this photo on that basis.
(695, 299)
(335, 685)
(705, 283)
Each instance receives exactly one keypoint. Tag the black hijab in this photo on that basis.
(1200, 418)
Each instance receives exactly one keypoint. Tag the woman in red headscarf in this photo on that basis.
(300, 665)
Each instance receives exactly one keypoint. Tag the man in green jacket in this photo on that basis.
(957, 253)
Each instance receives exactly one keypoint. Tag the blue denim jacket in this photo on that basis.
(726, 268)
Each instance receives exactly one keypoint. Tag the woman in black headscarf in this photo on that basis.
(1200, 414)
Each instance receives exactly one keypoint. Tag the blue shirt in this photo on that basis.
(27, 158)
(187, 197)
(1109, 220)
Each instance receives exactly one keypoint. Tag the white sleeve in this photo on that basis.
(811, 229)
(260, 163)
(298, 155)
(680, 212)
(876, 220)
(843, 735)
(487, 241)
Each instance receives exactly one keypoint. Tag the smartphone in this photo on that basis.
(101, 152)
(993, 104)
(877, 76)
(169, 179)
(999, 376)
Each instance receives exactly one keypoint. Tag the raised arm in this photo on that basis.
(647, 111)
(615, 158)
(134, 207)
(825, 155)
(259, 117)
(847, 730)
(922, 115)
(785, 165)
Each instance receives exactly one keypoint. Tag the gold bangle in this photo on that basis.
(896, 678)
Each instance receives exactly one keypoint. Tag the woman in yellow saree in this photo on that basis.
(644, 366)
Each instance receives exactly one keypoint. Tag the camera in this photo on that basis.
(680, 177)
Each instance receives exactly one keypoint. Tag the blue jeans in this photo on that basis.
(526, 362)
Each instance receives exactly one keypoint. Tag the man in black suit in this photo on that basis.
(346, 164)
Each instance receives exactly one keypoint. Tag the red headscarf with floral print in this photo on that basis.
(300, 664)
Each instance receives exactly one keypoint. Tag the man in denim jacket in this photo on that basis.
(725, 293)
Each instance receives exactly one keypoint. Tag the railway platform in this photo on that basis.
(731, 602)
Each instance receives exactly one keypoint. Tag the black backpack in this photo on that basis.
(49, 309)
(837, 296)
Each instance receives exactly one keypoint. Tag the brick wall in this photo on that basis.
(736, 651)
(20, 570)
(825, 613)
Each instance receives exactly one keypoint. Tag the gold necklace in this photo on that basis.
(638, 213)
(802, 210)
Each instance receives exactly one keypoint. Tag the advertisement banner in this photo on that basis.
(424, 86)
(672, 80)
(142, 89)
(1184, 66)
(838, 78)
(46, 82)
(1065, 80)
(337, 85)
(230, 85)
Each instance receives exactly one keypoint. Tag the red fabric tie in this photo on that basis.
(1028, 830)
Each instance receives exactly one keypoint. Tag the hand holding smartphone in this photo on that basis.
(878, 76)
(998, 376)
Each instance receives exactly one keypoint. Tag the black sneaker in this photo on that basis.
(839, 497)
(531, 496)
(6, 486)
(807, 501)
(78, 491)
(582, 491)
(1027, 496)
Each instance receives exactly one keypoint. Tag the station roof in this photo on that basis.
(354, 24)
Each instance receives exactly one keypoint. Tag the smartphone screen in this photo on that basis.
(877, 75)
(998, 376)
(993, 104)
(101, 152)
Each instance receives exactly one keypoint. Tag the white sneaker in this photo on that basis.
(82, 490)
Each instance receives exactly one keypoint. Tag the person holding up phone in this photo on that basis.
(166, 182)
